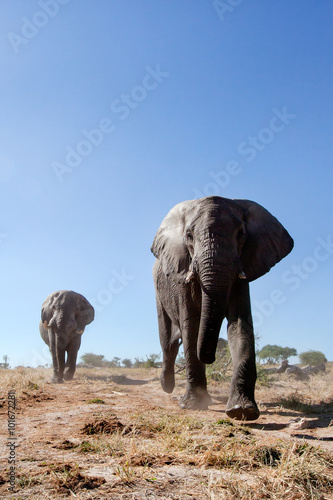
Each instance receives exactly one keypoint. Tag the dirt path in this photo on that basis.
(51, 461)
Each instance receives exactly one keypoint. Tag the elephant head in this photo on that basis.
(67, 311)
(216, 241)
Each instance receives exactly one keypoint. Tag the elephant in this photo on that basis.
(207, 251)
(64, 317)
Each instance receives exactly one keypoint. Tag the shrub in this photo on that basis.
(313, 358)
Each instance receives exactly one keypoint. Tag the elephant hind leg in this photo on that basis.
(169, 339)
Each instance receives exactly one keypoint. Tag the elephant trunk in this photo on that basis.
(215, 289)
(213, 312)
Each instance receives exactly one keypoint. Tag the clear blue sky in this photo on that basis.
(113, 112)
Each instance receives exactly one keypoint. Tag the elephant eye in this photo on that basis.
(189, 235)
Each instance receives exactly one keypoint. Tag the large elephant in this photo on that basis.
(64, 317)
(207, 252)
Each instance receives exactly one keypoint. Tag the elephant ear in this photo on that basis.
(85, 313)
(44, 333)
(169, 246)
(267, 241)
(48, 309)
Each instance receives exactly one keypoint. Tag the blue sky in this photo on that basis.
(114, 111)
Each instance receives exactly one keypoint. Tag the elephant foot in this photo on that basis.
(68, 376)
(167, 380)
(200, 400)
(244, 410)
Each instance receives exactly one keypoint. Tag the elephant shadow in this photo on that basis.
(123, 380)
(117, 379)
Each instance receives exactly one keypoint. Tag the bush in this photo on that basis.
(221, 368)
(127, 363)
(93, 359)
(313, 358)
(152, 361)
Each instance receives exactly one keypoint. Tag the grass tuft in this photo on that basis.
(68, 477)
(96, 401)
(267, 455)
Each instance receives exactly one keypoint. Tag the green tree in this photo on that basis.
(116, 361)
(275, 353)
(287, 352)
(268, 353)
(138, 363)
(152, 361)
(313, 358)
(127, 363)
(93, 359)
(5, 364)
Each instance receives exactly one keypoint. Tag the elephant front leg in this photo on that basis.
(61, 354)
(53, 351)
(169, 340)
(241, 404)
(72, 351)
(57, 348)
(196, 396)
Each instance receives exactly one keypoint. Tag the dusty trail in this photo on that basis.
(56, 459)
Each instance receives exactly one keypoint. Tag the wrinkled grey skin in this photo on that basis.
(207, 251)
(64, 317)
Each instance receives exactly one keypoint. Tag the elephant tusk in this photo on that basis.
(190, 275)
(242, 276)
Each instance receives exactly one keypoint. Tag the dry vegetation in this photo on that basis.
(112, 433)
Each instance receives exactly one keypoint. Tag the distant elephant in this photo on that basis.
(64, 317)
(207, 252)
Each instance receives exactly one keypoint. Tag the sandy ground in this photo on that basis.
(48, 430)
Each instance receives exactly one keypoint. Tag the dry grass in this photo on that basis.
(230, 450)
(216, 459)
(306, 396)
(68, 478)
(24, 380)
